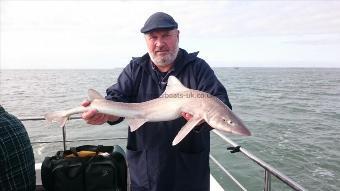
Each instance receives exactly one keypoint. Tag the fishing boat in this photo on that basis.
(215, 185)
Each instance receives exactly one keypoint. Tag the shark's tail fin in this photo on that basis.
(57, 116)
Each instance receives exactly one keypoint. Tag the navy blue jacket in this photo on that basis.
(154, 164)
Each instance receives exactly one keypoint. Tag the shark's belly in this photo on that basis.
(162, 113)
(163, 117)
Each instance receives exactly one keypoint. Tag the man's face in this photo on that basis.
(162, 46)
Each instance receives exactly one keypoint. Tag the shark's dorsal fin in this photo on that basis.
(93, 94)
(174, 86)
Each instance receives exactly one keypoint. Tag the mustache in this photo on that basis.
(162, 50)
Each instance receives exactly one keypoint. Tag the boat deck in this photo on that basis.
(214, 185)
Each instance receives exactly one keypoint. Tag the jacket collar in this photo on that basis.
(183, 58)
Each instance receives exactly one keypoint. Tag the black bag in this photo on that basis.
(86, 168)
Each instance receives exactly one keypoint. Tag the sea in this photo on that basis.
(293, 114)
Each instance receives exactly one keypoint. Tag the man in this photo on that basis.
(153, 163)
(16, 155)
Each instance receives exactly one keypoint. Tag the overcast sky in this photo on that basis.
(106, 34)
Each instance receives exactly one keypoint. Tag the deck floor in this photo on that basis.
(214, 185)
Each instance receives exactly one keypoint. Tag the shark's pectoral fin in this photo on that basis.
(186, 129)
(135, 123)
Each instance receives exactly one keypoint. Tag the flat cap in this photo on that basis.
(159, 20)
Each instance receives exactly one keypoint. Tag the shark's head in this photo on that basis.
(222, 118)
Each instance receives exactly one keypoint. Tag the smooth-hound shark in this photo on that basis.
(175, 99)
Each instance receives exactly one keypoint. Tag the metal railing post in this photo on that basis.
(267, 181)
(64, 136)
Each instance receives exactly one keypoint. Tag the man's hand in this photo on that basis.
(94, 118)
(186, 116)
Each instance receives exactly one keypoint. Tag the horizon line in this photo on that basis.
(233, 67)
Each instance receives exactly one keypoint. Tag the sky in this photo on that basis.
(105, 34)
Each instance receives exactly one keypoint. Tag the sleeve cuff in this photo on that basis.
(204, 126)
(116, 122)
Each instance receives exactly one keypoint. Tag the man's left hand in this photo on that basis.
(186, 116)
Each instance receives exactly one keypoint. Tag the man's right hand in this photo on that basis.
(94, 118)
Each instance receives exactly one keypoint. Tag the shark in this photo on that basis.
(175, 99)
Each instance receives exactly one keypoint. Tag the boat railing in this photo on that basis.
(269, 171)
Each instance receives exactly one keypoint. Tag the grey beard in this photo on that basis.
(164, 61)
